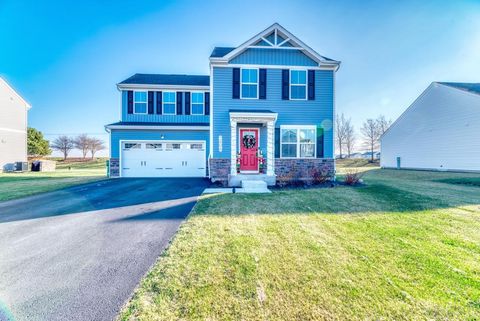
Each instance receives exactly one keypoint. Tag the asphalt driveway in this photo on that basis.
(78, 253)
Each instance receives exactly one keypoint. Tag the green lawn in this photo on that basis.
(16, 185)
(404, 247)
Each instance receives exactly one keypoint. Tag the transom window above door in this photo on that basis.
(298, 84)
(249, 84)
(140, 102)
(169, 102)
(298, 142)
(197, 103)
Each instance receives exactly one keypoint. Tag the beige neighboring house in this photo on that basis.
(13, 127)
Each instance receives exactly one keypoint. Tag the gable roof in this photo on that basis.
(14, 92)
(470, 87)
(167, 79)
(219, 52)
(223, 54)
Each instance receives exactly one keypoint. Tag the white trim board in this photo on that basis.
(173, 127)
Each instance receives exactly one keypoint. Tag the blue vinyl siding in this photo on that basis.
(307, 112)
(161, 118)
(259, 56)
(117, 135)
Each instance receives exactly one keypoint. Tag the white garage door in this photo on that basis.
(163, 159)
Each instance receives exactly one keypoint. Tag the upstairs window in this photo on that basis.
(169, 102)
(249, 84)
(197, 103)
(140, 102)
(298, 84)
(298, 141)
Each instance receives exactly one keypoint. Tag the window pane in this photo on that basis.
(249, 91)
(169, 108)
(168, 97)
(197, 98)
(197, 109)
(307, 135)
(141, 96)
(289, 135)
(140, 108)
(307, 150)
(289, 150)
(298, 92)
(299, 77)
(249, 76)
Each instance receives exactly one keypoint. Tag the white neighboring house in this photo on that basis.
(439, 131)
(13, 127)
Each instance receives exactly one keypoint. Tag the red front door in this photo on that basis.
(249, 149)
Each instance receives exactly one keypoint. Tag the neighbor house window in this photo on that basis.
(169, 103)
(297, 141)
(249, 84)
(298, 84)
(140, 102)
(197, 103)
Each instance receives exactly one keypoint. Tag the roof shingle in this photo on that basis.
(166, 79)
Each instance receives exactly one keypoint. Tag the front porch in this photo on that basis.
(252, 157)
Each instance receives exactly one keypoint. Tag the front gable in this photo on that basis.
(275, 46)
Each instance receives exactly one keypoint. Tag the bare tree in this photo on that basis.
(371, 134)
(383, 124)
(82, 143)
(95, 145)
(63, 144)
(349, 137)
(341, 132)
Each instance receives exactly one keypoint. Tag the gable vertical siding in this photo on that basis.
(161, 118)
(259, 56)
(308, 112)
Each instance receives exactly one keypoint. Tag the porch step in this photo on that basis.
(253, 186)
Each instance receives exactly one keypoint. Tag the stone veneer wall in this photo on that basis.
(114, 167)
(286, 169)
(219, 170)
(303, 169)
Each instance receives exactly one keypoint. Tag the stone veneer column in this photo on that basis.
(270, 148)
(233, 148)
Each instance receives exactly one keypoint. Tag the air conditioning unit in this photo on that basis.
(21, 166)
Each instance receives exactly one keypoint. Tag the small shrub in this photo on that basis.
(320, 176)
(353, 177)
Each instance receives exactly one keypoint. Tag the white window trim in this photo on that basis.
(146, 102)
(298, 85)
(174, 103)
(191, 103)
(298, 127)
(249, 83)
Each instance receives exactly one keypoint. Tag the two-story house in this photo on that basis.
(13, 128)
(266, 110)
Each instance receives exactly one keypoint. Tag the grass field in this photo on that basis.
(404, 247)
(16, 185)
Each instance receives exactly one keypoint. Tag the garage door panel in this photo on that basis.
(163, 159)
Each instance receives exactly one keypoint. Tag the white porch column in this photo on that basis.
(233, 147)
(270, 148)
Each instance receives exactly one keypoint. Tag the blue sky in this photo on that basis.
(65, 57)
